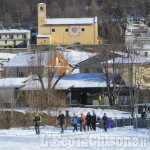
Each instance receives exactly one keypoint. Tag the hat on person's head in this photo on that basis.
(104, 113)
(94, 113)
(81, 114)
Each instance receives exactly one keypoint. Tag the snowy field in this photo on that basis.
(99, 112)
(125, 138)
(77, 110)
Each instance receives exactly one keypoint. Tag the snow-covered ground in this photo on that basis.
(77, 110)
(125, 138)
(99, 112)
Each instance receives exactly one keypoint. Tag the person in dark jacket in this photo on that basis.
(143, 114)
(37, 120)
(88, 121)
(104, 119)
(62, 120)
(75, 122)
(93, 121)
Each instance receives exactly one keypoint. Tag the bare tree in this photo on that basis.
(45, 67)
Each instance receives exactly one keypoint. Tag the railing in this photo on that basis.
(141, 123)
(118, 122)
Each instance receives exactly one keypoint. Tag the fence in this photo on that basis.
(135, 122)
(118, 122)
(141, 123)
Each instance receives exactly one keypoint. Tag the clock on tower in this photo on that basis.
(41, 13)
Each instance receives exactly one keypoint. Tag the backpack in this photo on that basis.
(40, 119)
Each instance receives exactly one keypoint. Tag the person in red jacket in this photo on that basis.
(82, 122)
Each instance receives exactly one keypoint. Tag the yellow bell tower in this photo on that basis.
(41, 14)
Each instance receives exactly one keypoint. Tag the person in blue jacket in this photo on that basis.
(75, 122)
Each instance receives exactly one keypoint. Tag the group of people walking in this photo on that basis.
(89, 121)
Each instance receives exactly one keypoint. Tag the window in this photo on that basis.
(5, 41)
(86, 70)
(5, 35)
(67, 71)
(66, 30)
(41, 8)
(20, 74)
(44, 41)
(11, 36)
(17, 35)
(0, 37)
(99, 70)
(82, 29)
(57, 61)
(53, 30)
(24, 36)
(14, 42)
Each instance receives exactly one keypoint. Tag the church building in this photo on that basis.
(66, 30)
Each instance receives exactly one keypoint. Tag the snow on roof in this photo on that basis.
(73, 57)
(135, 59)
(75, 71)
(71, 20)
(12, 82)
(7, 55)
(14, 31)
(118, 52)
(82, 81)
(132, 24)
(30, 59)
(41, 4)
(70, 80)
(43, 35)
